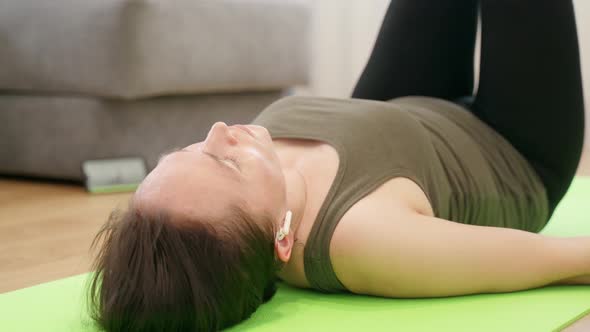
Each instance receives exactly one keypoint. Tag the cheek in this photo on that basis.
(263, 161)
(269, 177)
(267, 182)
(263, 169)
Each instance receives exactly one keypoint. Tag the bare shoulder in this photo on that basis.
(352, 248)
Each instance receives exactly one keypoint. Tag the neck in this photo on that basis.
(296, 196)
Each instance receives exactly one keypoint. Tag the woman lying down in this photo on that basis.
(412, 188)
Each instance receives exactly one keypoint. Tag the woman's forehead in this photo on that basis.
(206, 189)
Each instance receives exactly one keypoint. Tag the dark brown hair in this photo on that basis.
(154, 273)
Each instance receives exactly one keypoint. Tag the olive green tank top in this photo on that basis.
(469, 172)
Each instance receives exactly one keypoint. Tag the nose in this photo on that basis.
(218, 137)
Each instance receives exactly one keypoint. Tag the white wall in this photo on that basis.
(344, 32)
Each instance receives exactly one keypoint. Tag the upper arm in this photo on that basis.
(396, 252)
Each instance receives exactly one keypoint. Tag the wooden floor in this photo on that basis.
(46, 229)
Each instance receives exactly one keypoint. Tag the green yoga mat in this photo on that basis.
(59, 305)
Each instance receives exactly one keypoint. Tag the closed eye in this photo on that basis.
(234, 162)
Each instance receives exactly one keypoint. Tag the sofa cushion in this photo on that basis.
(138, 48)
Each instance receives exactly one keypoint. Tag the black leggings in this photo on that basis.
(530, 87)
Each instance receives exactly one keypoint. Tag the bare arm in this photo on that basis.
(405, 254)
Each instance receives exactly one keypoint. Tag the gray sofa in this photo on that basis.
(84, 80)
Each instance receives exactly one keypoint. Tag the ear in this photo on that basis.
(283, 247)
